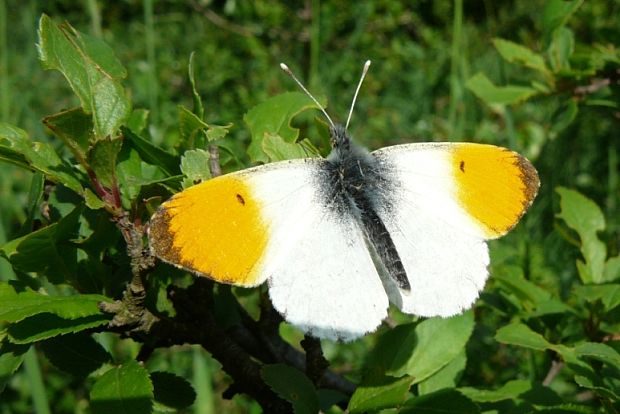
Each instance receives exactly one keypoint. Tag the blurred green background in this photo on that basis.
(423, 53)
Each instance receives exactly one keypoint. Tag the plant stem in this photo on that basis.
(33, 372)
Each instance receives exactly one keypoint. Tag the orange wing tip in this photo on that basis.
(161, 242)
(214, 229)
(495, 186)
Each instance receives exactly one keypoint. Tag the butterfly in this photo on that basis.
(338, 239)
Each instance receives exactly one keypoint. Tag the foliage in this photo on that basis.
(89, 323)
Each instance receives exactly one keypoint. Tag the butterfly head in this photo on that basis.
(339, 137)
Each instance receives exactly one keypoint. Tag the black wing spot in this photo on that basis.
(240, 199)
(462, 166)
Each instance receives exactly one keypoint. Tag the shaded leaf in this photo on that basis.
(126, 389)
(293, 386)
(172, 391)
(74, 128)
(564, 115)
(102, 159)
(48, 251)
(77, 354)
(11, 357)
(440, 402)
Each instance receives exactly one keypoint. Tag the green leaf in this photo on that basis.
(594, 384)
(557, 12)
(102, 159)
(484, 89)
(561, 48)
(509, 391)
(195, 167)
(151, 153)
(74, 128)
(137, 121)
(608, 294)
(198, 107)
(192, 127)
(276, 149)
(527, 295)
(586, 218)
(92, 70)
(9, 151)
(293, 386)
(446, 377)
(215, 132)
(47, 325)
(521, 335)
(133, 174)
(526, 291)
(17, 306)
(274, 117)
(172, 391)
(385, 393)
(444, 401)
(436, 342)
(377, 390)
(11, 357)
(38, 155)
(600, 352)
(194, 130)
(514, 52)
(612, 269)
(126, 389)
(564, 115)
(48, 251)
(77, 354)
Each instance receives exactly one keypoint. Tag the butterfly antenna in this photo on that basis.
(290, 73)
(359, 85)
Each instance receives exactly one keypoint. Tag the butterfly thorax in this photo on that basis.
(355, 183)
(353, 171)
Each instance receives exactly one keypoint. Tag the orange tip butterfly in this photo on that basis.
(338, 239)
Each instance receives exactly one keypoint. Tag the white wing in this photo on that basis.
(321, 276)
(439, 237)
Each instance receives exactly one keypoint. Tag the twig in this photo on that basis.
(556, 367)
(316, 364)
(214, 160)
(221, 22)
